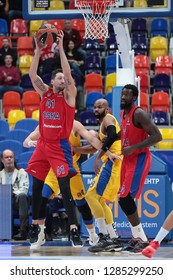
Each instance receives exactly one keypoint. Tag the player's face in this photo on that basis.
(59, 82)
(99, 110)
(127, 98)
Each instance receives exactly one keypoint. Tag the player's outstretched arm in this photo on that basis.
(37, 82)
(89, 137)
(70, 88)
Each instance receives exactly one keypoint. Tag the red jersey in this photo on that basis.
(47, 53)
(130, 134)
(56, 117)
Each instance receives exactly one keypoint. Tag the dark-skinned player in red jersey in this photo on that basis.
(138, 133)
(57, 109)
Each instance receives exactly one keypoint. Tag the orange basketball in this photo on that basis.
(46, 35)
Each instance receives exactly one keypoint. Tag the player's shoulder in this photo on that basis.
(139, 114)
(138, 111)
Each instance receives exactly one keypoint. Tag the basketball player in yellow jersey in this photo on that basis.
(105, 185)
(51, 187)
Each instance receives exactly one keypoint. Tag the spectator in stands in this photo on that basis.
(18, 178)
(56, 219)
(128, 3)
(15, 10)
(9, 77)
(6, 49)
(49, 60)
(72, 34)
(71, 5)
(3, 9)
(75, 58)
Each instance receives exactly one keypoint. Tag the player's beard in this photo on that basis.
(60, 88)
(100, 116)
(125, 105)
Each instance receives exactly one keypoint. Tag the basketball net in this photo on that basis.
(96, 14)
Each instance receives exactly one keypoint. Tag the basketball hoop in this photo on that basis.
(96, 14)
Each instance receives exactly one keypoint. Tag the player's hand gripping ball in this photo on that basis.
(46, 35)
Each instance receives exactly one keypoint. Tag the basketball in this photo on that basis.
(46, 35)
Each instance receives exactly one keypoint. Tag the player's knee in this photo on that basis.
(84, 209)
(127, 205)
(88, 197)
(64, 185)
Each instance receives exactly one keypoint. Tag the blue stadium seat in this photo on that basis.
(162, 82)
(159, 27)
(18, 134)
(28, 124)
(111, 45)
(160, 117)
(26, 83)
(92, 52)
(110, 63)
(171, 28)
(91, 97)
(139, 26)
(4, 129)
(108, 97)
(139, 45)
(88, 118)
(14, 145)
(22, 164)
(25, 156)
(92, 64)
(3, 27)
(90, 44)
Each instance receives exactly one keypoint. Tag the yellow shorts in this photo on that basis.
(76, 184)
(107, 182)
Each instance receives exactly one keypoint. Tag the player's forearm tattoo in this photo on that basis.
(39, 84)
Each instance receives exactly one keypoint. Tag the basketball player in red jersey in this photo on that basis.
(57, 109)
(138, 133)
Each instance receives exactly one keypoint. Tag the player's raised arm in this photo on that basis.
(37, 82)
(70, 88)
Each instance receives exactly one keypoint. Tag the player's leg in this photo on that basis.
(110, 193)
(64, 184)
(132, 185)
(94, 197)
(78, 193)
(61, 163)
(150, 250)
(36, 231)
(41, 190)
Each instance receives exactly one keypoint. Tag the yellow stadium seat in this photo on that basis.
(34, 25)
(140, 3)
(165, 145)
(110, 82)
(167, 133)
(167, 136)
(158, 46)
(14, 116)
(25, 63)
(56, 5)
(35, 115)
